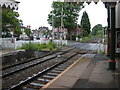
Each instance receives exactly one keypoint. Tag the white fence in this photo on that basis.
(8, 43)
(11, 43)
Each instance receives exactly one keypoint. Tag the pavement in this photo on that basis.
(87, 46)
(89, 71)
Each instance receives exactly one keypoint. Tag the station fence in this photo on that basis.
(12, 43)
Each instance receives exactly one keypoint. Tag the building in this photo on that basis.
(23, 36)
(41, 32)
(60, 33)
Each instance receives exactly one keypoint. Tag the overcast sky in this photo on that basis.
(35, 13)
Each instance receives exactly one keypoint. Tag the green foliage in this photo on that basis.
(69, 14)
(51, 45)
(97, 30)
(86, 39)
(85, 24)
(74, 37)
(29, 46)
(27, 31)
(9, 20)
(100, 33)
(17, 31)
(64, 45)
(36, 46)
(84, 33)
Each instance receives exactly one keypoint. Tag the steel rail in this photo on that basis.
(23, 68)
(28, 66)
(31, 59)
(30, 79)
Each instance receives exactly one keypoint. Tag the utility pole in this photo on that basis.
(52, 22)
(61, 24)
(62, 19)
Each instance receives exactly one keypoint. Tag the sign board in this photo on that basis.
(117, 41)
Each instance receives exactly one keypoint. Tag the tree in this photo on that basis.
(97, 29)
(10, 21)
(27, 31)
(67, 11)
(85, 24)
(17, 31)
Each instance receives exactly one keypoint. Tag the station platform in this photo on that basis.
(89, 71)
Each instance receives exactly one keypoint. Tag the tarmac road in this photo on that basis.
(86, 46)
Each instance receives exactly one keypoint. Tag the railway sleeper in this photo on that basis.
(37, 84)
(56, 71)
(33, 86)
(60, 69)
(63, 65)
(28, 89)
(43, 80)
(47, 76)
(53, 74)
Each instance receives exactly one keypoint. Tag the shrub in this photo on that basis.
(73, 37)
(37, 46)
(51, 45)
(28, 46)
(64, 45)
(86, 39)
(44, 45)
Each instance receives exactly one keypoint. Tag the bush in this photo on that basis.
(44, 45)
(28, 46)
(36, 46)
(64, 45)
(73, 37)
(86, 39)
(51, 45)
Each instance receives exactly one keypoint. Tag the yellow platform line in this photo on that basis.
(49, 83)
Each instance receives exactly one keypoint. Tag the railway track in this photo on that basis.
(16, 71)
(35, 74)
(34, 58)
(41, 78)
(31, 59)
(30, 63)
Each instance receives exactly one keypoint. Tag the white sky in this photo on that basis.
(97, 13)
(35, 13)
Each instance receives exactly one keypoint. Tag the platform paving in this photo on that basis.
(89, 71)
